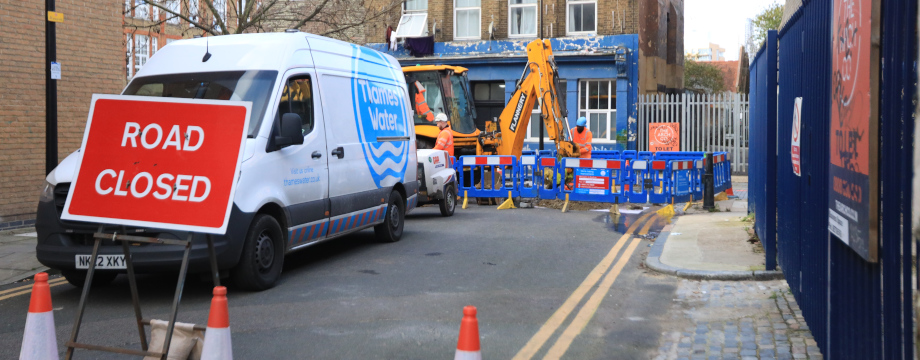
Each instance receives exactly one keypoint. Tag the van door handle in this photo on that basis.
(317, 155)
(339, 152)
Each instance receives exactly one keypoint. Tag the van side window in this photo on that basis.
(297, 98)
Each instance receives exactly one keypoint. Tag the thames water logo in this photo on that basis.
(380, 113)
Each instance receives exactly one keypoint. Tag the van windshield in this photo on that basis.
(255, 86)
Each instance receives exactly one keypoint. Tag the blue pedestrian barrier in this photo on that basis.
(489, 176)
(531, 177)
(660, 190)
(681, 176)
(552, 178)
(606, 154)
(638, 172)
(595, 180)
(617, 177)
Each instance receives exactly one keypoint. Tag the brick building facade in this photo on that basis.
(608, 52)
(89, 48)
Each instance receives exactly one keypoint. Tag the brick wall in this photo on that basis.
(89, 48)
(552, 13)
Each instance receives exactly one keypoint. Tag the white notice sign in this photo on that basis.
(796, 137)
(55, 70)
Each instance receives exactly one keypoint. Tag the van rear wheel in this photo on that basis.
(449, 202)
(263, 255)
(392, 227)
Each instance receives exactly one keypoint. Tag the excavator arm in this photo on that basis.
(536, 86)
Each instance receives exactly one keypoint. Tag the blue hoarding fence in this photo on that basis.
(856, 309)
(616, 177)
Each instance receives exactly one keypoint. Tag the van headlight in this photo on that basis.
(47, 193)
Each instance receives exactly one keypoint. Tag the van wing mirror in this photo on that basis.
(291, 132)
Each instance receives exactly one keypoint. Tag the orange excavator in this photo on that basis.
(444, 89)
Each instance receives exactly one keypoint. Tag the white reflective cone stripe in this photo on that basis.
(217, 344)
(39, 341)
(467, 355)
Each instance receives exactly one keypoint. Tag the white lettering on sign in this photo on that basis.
(133, 130)
(142, 183)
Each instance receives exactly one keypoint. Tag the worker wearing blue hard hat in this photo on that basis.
(582, 137)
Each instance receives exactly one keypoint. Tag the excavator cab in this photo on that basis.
(444, 89)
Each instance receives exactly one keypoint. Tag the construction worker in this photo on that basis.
(582, 138)
(421, 106)
(445, 137)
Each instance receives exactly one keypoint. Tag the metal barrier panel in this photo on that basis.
(660, 191)
(595, 180)
(497, 175)
(530, 180)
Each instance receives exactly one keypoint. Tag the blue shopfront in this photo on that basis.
(599, 75)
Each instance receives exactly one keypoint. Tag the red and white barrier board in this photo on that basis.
(159, 162)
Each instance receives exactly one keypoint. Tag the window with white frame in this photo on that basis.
(598, 103)
(522, 18)
(129, 56)
(141, 9)
(467, 17)
(221, 7)
(193, 10)
(155, 11)
(536, 122)
(172, 5)
(153, 45)
(141, 52)
(582, 16)
(414, 21)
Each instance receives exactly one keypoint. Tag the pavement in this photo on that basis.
(17, 255)
(718, 245)
(736, 320)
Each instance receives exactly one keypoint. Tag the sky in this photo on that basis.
(719, 21)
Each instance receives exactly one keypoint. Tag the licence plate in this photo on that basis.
(102, 261)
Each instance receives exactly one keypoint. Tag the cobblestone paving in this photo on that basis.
(736, 320)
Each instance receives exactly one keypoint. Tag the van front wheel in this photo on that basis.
(391, 228)
(263, 255)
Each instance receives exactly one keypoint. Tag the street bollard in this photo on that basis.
(708, 184)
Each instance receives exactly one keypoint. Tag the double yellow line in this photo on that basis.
(25, 289)
(587, 311)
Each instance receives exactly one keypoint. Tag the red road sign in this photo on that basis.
(159, 162)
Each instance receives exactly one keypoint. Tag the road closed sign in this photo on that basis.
(663, 137)
(159, 162)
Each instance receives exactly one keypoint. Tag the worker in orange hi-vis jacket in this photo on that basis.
(582, 137)
(421, 106)
(445, 137)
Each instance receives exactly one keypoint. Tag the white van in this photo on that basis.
(330, 151)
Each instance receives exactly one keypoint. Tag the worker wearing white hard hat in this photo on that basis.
(445, 137)
(582, 137)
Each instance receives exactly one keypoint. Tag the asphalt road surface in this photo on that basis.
(546, 285)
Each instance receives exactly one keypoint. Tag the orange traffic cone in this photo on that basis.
(39, 341)
(468, 344)
(217, 337)
(729, 192)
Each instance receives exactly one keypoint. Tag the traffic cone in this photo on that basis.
(468, 343)
(217, 336)
(730, 192)
(39, 341)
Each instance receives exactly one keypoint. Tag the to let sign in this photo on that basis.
(853, 169)
(159, 162)
(796, 151)
(663, 137)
